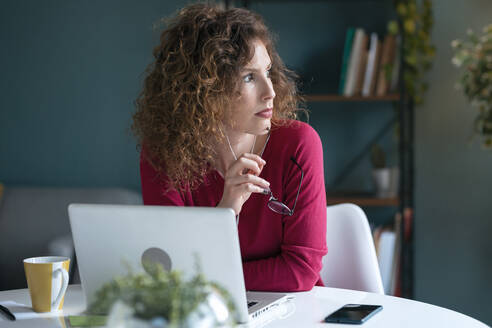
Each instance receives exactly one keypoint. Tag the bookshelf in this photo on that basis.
(340, 98)
(361, 199)
(403, 201)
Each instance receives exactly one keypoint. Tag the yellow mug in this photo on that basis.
(47, 279)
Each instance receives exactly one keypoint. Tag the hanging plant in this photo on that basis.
(418, 52)
(475, 56)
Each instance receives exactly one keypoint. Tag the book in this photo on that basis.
(385, 65)
(386, 250)
(362, 66)
(407, 223)
(349, 37)
(354, 62)
(377, 64)
(376, 233)
(372, 65)
(395, 269)
(395, 69)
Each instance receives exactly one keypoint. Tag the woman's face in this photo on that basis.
(252, 111)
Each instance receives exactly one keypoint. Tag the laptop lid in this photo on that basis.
(106, 236)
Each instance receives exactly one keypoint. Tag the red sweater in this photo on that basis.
(279, 253)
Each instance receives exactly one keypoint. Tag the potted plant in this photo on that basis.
(163, 299)
(385, 178)
(475, 56)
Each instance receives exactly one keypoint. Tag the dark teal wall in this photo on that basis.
(70, 71)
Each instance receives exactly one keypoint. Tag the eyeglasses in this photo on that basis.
(277, 206)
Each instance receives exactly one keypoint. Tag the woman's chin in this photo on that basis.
(266, 127)
(264, 130)
(261, 129)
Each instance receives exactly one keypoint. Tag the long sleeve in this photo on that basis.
(155, 189)
(297, 266)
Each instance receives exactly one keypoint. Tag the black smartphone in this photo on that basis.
(353, 313)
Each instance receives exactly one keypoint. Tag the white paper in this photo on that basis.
(21, 311)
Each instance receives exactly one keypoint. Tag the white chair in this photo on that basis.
(351, 262)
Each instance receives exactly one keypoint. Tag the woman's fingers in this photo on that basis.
(255, 157)
(248, 179)
(247, 163)
(249, 187)
(260, 161)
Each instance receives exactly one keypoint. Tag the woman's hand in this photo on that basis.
(242, 179)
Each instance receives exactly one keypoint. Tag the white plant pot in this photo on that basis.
(386, 181)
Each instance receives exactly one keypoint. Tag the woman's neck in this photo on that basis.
(232, 148)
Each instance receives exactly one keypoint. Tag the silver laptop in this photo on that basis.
(106, 236)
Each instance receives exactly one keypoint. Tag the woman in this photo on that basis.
(215, 124)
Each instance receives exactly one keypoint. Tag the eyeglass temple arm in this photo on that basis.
(300, 182)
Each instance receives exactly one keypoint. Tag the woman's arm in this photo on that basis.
(297, 266)
(155, 188)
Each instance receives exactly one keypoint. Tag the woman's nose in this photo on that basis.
(269, 92)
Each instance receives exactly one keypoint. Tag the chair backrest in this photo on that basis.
(351, 262)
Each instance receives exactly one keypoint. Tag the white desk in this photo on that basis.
(311, 308)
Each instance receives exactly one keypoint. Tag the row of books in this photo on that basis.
(387, 241)
(369, 67)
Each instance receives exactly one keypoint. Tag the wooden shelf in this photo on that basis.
(339, 98)
(361, 199)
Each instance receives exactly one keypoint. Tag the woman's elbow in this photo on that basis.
(303, 280)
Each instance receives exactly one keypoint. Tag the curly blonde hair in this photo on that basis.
(192, 83)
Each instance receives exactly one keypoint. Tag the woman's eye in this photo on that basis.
(269, 72)
(248, 78)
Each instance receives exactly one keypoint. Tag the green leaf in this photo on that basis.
(87, 320)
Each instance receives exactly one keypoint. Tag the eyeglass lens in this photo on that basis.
(278, 207)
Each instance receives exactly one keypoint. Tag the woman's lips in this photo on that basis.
(267, 113)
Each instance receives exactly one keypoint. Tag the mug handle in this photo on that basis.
(63, 289)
